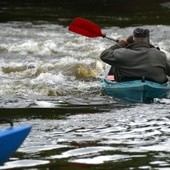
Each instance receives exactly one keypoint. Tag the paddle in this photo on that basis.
(87, 28)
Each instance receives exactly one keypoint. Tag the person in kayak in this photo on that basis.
(138, 60)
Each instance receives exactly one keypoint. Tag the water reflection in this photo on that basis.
(126, 138)
(24, 164)
(105, 12)
(74, 127)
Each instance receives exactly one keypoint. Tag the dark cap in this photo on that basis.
(139, 32)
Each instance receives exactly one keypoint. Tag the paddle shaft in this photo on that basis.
(111, 39)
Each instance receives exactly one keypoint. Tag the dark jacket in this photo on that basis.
(137, 61)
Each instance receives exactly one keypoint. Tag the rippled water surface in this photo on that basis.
(134, 137)
(51, 79)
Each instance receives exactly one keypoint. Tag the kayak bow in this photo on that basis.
(11, 139)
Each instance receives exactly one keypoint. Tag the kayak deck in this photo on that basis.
(136, 90)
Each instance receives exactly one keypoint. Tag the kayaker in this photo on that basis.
(139, 60)
(125, 44)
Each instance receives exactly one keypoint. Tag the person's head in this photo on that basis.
(141, 35)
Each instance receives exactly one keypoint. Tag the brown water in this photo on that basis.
(120, 13)
(121, 137)
(51, 79)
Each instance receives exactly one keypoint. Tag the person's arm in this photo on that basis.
(167, 71)
(108, 54)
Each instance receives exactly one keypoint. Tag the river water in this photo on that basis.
(51, 79)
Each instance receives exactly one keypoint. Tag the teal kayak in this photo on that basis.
(11, 139)
(136, 90)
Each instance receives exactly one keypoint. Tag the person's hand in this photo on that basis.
(122, 42)
(130, 39)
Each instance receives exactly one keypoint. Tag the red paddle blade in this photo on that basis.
(84, 27)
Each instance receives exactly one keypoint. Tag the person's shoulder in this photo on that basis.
(152, 46)
(130, 46)
(155, 50)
